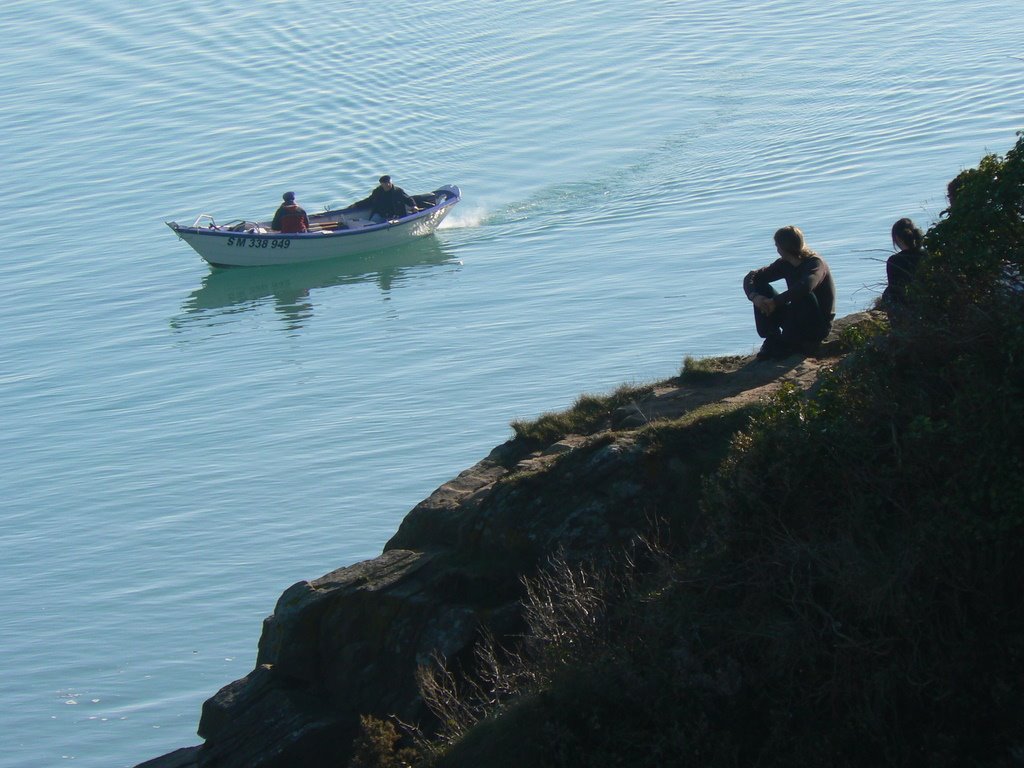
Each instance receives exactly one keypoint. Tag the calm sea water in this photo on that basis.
(182, 444)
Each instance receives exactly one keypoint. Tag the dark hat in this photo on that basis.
(289, 197)
(385, 179)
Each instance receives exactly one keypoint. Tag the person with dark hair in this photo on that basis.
(954, 186)
(289, 217)
(386, 202)
(801, 316)
(908, 241)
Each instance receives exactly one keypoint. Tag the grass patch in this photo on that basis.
(700, 369)
(589, 414)
(733, 413)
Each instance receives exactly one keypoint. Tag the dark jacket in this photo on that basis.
(290, 218)
(899, 273)
(811, 275)
(389, 203)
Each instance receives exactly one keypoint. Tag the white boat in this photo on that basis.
(332, 233)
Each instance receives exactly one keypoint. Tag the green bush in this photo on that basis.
(378, 746)
(977, 249)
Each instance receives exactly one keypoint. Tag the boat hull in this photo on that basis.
(223, 247)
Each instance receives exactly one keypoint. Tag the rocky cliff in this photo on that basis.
(349, 643)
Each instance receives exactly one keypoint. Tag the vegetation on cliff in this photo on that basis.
(841, 586)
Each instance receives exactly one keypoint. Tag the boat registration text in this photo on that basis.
(259, 242)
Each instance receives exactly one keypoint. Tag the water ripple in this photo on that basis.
(173, 431)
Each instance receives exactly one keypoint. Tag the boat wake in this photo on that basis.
(465, 219)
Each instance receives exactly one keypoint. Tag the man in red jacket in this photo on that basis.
(290, 217)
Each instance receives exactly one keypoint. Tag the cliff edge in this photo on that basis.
(349, 643)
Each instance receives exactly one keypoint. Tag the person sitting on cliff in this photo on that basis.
(289, 217)
(386, 202)
(801, 316)
(900, 268)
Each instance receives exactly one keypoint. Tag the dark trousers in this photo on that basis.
(799, 322)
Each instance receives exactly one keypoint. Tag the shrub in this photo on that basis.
(977, 250)
(377, 746)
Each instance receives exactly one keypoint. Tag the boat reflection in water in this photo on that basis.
(235, 290)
